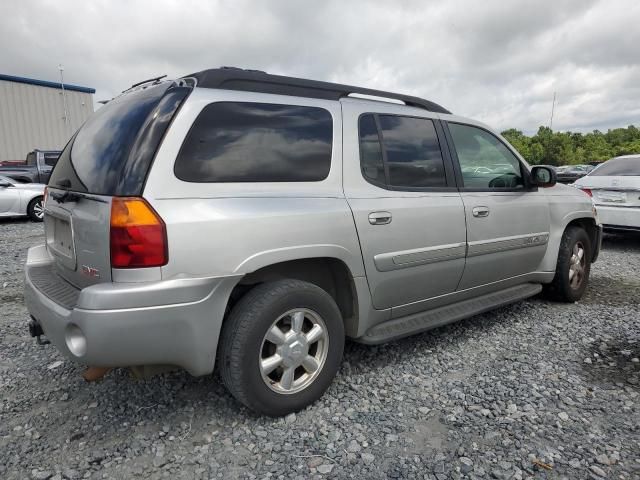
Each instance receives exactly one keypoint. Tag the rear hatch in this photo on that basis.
(615, 183)
(108, 157)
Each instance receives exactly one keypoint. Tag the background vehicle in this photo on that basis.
(570, 173)
(260, 220)
(36, 168)
(18, 199)
(615, 189)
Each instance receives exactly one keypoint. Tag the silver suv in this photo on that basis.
(260, 220)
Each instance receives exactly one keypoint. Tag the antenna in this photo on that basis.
(553, 105)
(64, 95)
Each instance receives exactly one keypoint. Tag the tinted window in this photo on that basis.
(485, 161)
(94, 160)
(370, 151)
(257, 142)
(618, 166)
(31, 158)
(51, 158)
(411, 152)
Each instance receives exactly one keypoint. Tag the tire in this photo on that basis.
(35, 210)
(565, 287)
(247, 355)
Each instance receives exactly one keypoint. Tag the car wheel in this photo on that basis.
(35, 209)
(573, 267)
(281, 346)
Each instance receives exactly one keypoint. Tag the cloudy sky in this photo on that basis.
(496, 61)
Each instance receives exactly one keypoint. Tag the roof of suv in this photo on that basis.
(231, 78)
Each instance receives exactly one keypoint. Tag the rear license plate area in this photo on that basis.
(60, 236)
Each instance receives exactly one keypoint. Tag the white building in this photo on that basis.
(39, 114)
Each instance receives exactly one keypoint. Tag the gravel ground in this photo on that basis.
(536, 389)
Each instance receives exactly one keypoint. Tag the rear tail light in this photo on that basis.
(587, 191)
(138, 234)
(44, 198)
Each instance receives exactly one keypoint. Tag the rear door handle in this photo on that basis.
(379, 218)
(480, 211)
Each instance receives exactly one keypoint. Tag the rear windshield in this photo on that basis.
(94, 160)
(618, 167)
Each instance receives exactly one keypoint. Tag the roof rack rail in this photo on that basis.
(233, 78)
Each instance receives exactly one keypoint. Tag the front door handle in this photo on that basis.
(480, 211)
(379, 218)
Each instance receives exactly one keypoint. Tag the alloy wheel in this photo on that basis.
(293, 351)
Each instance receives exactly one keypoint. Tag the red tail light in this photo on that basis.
(44, 198)
(587, 191)
(138, 234)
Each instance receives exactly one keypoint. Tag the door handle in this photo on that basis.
(379, 218)
(480, 211)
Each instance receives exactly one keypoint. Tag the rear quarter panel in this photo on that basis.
(218, 229)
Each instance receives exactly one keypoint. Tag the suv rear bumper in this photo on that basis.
(172, 322)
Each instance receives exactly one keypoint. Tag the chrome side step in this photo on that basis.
(419, 322)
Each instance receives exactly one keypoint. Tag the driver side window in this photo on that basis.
(484, 160)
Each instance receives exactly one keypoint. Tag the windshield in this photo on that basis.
(624, 167)
(94, 160)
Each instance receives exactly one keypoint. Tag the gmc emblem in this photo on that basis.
(90, 272)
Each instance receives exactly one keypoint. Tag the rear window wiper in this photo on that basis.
(68, 196)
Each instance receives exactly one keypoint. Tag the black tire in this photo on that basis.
(242, 345)
(562, 288)
(35, 210)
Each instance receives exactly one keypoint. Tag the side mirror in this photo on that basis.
(5, 184)
(542, 176)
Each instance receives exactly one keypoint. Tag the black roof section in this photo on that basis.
(231, 78)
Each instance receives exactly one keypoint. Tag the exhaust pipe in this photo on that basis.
(35, 330)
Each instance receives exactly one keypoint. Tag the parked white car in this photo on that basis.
(19, 199)
(615, 189)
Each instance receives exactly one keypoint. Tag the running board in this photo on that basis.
(419, 322)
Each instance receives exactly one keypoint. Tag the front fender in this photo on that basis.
(559, 222)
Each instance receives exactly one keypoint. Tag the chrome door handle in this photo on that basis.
(480, 211)
(379, 218)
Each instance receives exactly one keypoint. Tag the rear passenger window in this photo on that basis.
(257, 142)
(410, 150)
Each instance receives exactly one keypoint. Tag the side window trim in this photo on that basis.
(383, 152)
(447, 160)
(458, 170)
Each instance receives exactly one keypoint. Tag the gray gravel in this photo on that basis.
(536, 389)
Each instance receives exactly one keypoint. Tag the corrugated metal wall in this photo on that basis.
(32, 116)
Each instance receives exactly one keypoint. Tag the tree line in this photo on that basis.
(568, 148)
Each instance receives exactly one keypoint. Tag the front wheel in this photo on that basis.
(573, 266)
(35, 209)
(281, 346)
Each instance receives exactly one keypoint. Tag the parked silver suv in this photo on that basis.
(260, 220)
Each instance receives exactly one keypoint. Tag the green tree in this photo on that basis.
(567, 148)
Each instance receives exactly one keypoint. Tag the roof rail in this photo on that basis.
(232, 78)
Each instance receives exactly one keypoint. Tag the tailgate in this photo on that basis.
(77, 237)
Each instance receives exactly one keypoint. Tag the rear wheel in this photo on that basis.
(573, 266)
(35, 209)
(281, 346)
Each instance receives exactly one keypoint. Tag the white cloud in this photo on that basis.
(496, 61)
